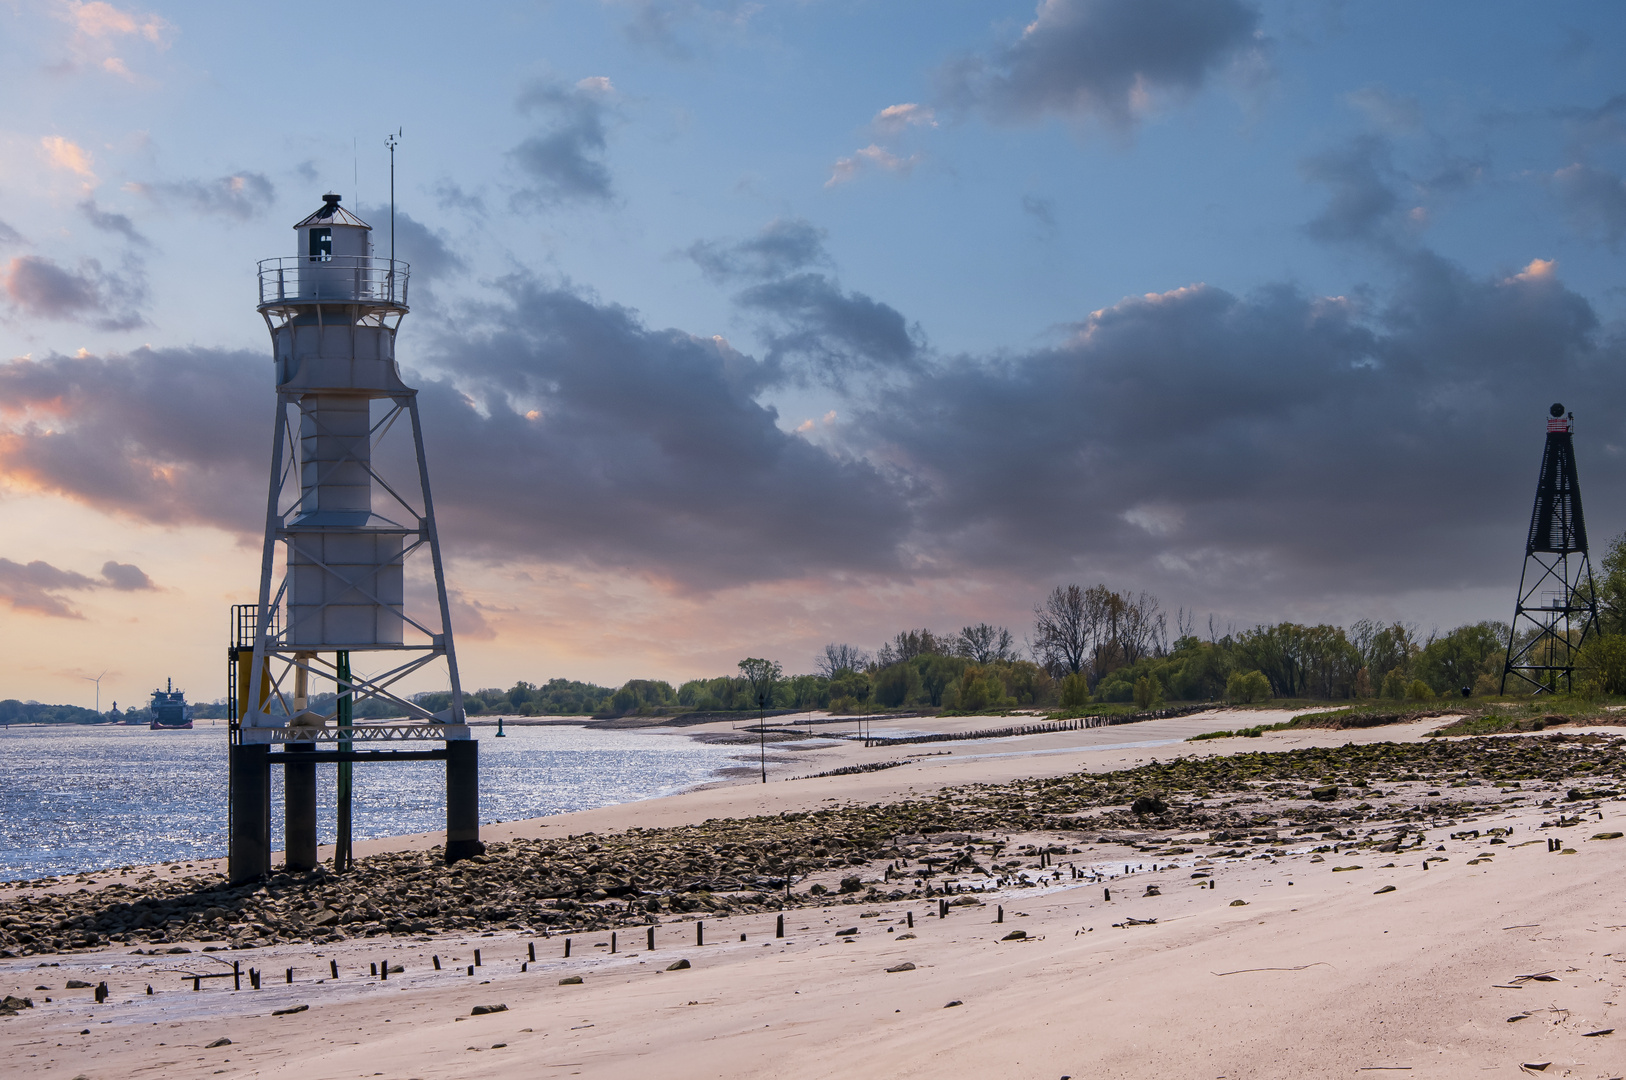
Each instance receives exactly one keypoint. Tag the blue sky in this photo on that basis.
(835, 317)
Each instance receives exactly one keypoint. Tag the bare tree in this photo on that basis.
(837, 658)
(1141, 629)
(1095, 630)
(1063, 636)
(1103, 618)
(985, 644)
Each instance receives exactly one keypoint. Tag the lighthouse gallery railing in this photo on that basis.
(337, 278)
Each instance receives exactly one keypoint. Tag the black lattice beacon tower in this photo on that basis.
(1557, 606)
(345, 533)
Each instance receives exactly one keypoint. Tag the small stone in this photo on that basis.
(290, 1010)
(1608, 836)
(678, 965)
(571, 980)
(1386, 888)
(78, 984)
(483, 1010)
(953, 1003)
(1239, 903)
(851, 930)
(218, 1042)
(905, 966)
(1015, 935)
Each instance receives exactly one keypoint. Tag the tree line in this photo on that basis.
(1095, 645)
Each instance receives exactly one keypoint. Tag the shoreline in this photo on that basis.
(788, 758)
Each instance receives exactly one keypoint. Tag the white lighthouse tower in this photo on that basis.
(336, 609)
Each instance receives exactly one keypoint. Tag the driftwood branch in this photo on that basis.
(1244, 971)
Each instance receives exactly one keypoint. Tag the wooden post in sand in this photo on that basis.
(567, 948)
(651, 939)
(612, 941)
(333, 966)
(699, 932)
(779, 927)
(531, 948)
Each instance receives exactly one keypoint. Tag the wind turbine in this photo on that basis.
(98, 681)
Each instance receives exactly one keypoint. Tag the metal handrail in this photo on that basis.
(335, 278)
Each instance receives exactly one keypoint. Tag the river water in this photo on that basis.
(83, 798)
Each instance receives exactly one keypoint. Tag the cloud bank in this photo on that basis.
(239, 196)
(1215, 446)
(38, 586)
(43, 288)
(564, 162)
(1105, 60)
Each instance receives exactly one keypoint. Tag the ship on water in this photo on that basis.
(170, 710)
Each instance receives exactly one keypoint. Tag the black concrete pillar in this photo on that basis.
(249, 846)
(299, 808)
(462, 800)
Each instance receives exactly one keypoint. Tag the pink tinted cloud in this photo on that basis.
(36, 587)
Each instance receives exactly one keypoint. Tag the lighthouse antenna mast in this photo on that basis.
(392, 142)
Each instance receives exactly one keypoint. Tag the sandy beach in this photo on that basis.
(1417, 941)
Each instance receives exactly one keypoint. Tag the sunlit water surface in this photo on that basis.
(83, 798)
